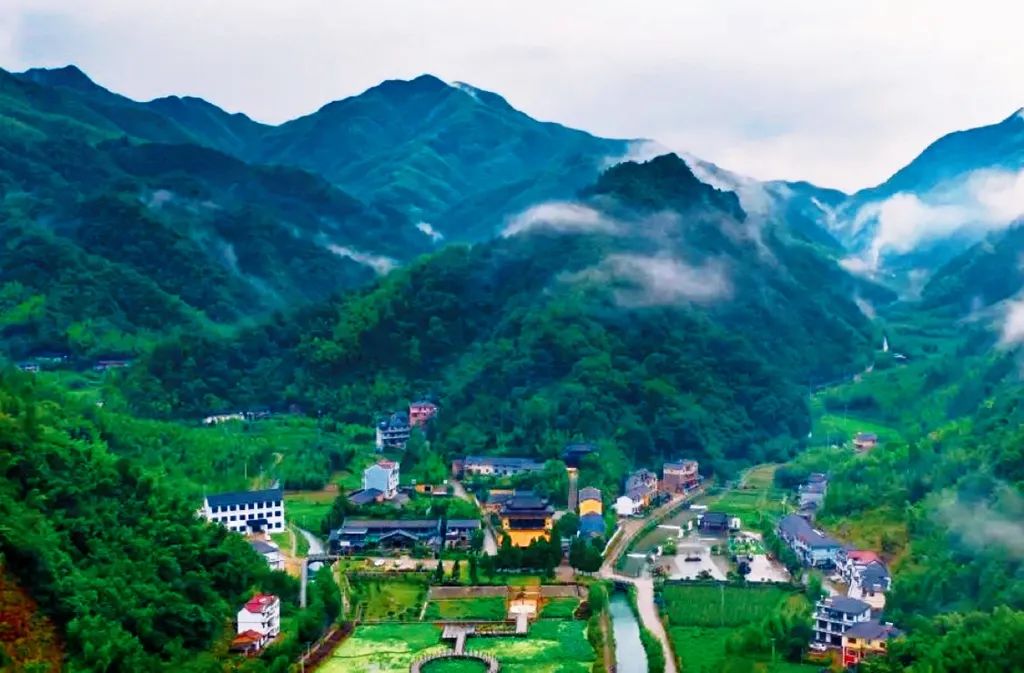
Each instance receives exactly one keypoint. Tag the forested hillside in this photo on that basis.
(650, 311)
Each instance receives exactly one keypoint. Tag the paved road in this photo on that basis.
(490, 543)
(315, 545)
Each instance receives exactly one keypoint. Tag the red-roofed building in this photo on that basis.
(249, 643)
(261, 615)
(421, 412)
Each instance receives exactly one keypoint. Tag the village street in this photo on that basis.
(490, 543)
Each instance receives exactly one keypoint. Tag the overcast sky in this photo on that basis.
(838, 93)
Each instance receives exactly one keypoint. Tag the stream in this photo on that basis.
(629, 651)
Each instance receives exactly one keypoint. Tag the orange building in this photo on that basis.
(526, 517)
(590, 501)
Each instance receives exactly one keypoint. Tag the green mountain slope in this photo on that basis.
(654, 318)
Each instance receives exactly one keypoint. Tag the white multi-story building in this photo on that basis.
(261, 614)
(382, 476)
(246, 511)
(835, 615)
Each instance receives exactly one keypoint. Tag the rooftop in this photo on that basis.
(502, 461)
(873, 630)
(680, 465)
(386, 464)
(364, 525)
(244, 497)
(796, 526)
(364, 496)
(525, 501)
(263, 547)
(260, 602)
(589, 493)
(591, 524)
(845, 604)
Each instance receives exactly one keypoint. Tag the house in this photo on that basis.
(246, 511)
(591, 525)
(679, 476)
(496, 499)
(249, 643)
(526, 517)
(261, 615)
(431, 489)
(835, 615)
(357, 534)
(867, 639)
(590, 501)
(382, 476)
(811, 546)
(421, 412)
(626, 506)
(865, 574)
(270, 552)
(393, 432)
(812, 493)
(641, 487)
(459, 532)
(105, 365)
(865, 441)
(574, 453)
(30, 367)
(715, 523)
(366, 496)
(494, 466)
(217, 419)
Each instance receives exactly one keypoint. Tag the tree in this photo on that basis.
(476, 540)
(474, 577)
(456, 575)
(568, 525)
(438, 577)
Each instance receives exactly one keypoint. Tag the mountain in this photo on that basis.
(139, 221)
(650, 311)
(959, 188)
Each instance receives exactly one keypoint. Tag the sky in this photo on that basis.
(838, 93)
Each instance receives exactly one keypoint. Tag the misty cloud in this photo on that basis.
(561, 217)
(1012, 327)
(983, 525)
(640, 280)
(982, 201)
(428, 229)
(381, 265)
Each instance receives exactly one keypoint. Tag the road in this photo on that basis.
(315, 545)
(644, 585)
(490, 543)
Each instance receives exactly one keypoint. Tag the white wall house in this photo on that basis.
(246, 511)
(270, 552)
(383, 476)
(262, 614)
(626, 506)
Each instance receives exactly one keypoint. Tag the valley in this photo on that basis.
(417, 375)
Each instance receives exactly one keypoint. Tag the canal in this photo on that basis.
(629, 651)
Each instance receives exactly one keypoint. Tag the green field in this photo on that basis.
(490, 608)
(702, 650)
(550, 647)
(754, 498)
(307, 510)
(559, 608)
(388, 599)
(710, 605)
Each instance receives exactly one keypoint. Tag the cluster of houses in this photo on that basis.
(393, 431)
(643, 487)
(852, 623)
(258, 623)
(494, 466)
(358, 534)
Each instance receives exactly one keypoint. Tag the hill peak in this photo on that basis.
(70, 76)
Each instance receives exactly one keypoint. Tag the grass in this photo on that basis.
(702, 650)
(485, 608)
(754, 498)
(307, 510)
(550, 647)
(709, 605)
(881, 529)
(559, 608)
(391, 599)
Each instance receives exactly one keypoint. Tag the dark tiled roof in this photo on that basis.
(873, 630)
(679, 464)
(797, 527)
(589, 493)
(364, 496)
(463, 523)
(263, 547)
(874, 575)
(244, 497)
(525, 501)
(389, 524)
(715, 519)
(852, 606)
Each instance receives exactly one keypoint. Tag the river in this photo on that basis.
(629, 651)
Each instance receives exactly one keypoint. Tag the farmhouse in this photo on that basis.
(811, 546)
(590, 501)
(867, 639)
(494, 466)
(259, 621)
(835, 615)
(393, 432)
(865, 441)
(641, 486)
(270, 552)
(525, 518)
(868, 578)
(679, 476)
(713, 522)
(421, 412)
(382, 476)
(246, 511)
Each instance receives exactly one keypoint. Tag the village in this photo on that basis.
(464, 568)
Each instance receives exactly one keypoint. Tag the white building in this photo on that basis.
(382, 476)
(835, 615)
(626, 506)
(246, 511)
(270, 552)
(262, 614)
